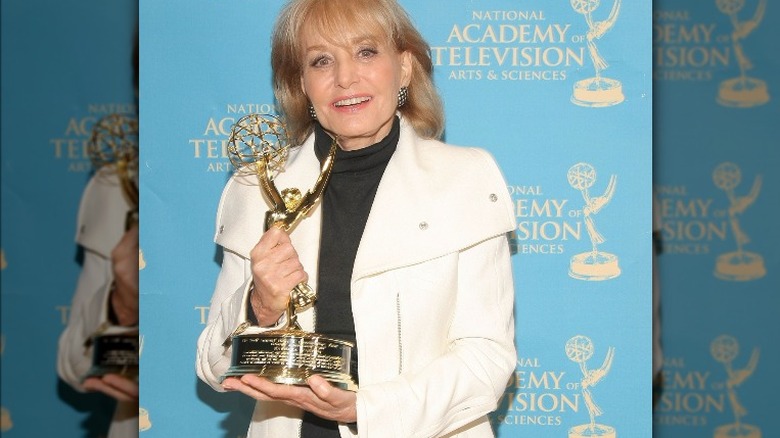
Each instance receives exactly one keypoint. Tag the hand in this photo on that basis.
(319, 397)
(124, 263)
(276, 270)
(115, 386)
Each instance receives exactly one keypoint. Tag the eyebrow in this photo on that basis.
(352, 41)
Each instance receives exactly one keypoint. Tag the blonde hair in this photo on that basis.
(385, 18)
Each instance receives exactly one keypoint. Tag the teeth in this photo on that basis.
(352, 101)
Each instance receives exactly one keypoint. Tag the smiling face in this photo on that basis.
(353, 85)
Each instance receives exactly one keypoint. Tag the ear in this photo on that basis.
(303, 87)
(406, 68)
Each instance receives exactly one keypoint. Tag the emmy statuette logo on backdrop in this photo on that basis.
(143, 415)
(742, 91)
(141, 259)
(6, 423)
(143, 420)
(259, 146)
(597, 91)
(579, 349)
(114, 142)
(593, 265)
(3, 261)
(725, 349)
(739, 265)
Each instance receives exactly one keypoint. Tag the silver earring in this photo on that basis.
(403, 96)
(312, 113)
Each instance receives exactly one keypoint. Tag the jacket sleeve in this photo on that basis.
(463, 385)
(100, 226)
(237, 219)
(226, 312)
(88, 313)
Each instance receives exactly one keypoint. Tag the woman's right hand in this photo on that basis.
(116, 386)
(276, 270)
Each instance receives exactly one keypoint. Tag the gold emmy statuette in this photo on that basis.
(114, 142)
(259, 143)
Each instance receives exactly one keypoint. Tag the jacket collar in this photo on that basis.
(425, 206)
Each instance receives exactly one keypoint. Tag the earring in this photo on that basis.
(403, 96)
(312, 112)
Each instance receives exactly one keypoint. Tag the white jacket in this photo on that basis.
(100, 225)
(432, 291)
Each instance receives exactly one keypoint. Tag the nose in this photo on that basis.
(346, 73)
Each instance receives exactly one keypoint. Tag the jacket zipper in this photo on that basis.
(400, 343)
(314, 324)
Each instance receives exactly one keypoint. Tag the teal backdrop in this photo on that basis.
(716, 136)
(65, 65)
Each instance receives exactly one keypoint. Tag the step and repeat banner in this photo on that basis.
(716, 136)
(66, 65)
(559, 92)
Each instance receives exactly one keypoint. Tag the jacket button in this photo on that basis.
(221, 229)
(493, 197)
(423, 226)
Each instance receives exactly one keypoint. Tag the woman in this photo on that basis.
(407, 250)
(106, 296)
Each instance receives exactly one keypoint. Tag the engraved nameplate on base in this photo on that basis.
(291, 357)
(114, 354)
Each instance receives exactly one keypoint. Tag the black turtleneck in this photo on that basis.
(346, 204)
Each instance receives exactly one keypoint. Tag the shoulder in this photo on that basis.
(465, 160)
(446, 168)
(102, 212)
(442, 179)
(441, 198)
(240, 214)
(241, 211)
(469, 180)
(467, 164)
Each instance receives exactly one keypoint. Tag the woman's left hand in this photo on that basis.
(319, 397)
(124, 264)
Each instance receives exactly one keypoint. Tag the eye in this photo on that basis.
(367, 52)
(320, 61)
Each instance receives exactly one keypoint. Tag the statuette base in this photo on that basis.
(597, 92)
(734, 266)
(292, 356)
(599, 430)
(114, 354)
(594, 266)
(743, 92)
